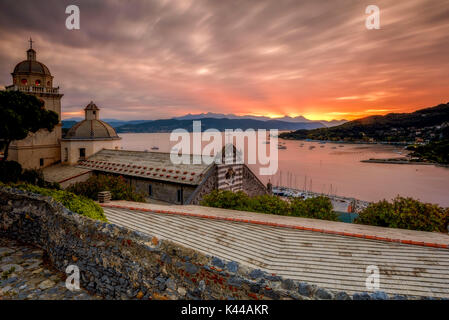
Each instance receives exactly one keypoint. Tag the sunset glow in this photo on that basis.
(159, 59)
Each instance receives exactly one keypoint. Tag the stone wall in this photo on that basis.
(209, 183)
(116, 262)
(252, 186)
(163, 191)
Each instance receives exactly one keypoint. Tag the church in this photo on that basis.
(92, 147)
(42, 148)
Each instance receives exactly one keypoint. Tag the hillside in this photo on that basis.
(298, 119)
(169, 125)
(423, 125)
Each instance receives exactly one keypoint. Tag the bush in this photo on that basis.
(269, 204)
(36, 177)
(317, 208)
(119, 188)
(10, 171)
(227, 200)
(78, 204)
(405, 213)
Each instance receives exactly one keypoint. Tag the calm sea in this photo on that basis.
(336, 169)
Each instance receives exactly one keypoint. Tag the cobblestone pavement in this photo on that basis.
(26, 275)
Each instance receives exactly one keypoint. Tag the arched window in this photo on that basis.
(24, 82)
(37, 83)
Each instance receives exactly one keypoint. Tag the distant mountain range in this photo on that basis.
(68, 123)
(215, 123)
(298, 119)
(429, 124)
(212, 120)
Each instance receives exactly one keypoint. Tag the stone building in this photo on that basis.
(154, 174)
(88, 137)
(92, 146)
(42, 148)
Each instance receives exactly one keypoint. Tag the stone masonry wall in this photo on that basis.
(252, 186)
(118, 263)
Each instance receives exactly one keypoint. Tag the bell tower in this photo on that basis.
(42, 148)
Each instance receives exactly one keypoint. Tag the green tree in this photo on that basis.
(21, 114)
(316, 208)
(405, 213)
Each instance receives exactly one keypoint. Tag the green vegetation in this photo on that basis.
(11, 171)
(119, 188)
(318, 208)
(21, 114)
(73, 202)
(437, 151)
(405, 213)
(393, 127)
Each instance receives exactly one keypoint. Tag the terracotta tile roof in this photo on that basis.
(153, 165)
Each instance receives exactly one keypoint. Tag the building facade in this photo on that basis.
(87, 137)
(40, 149)
(155, 175)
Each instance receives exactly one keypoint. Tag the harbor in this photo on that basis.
(347, 208)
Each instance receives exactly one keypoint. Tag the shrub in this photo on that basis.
(227, 200)
(119, 188)
(405, 213)
(36, 177)
(78, 204)
(318, 208)
(10, 171)
(269, 204)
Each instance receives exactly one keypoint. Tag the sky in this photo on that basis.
(159, 59)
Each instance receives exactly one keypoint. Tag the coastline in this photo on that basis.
(397, 161)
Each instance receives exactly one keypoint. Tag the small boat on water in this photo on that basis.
(312, 147)
(282, 147)
(155, 148)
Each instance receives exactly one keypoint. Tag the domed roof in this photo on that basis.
(31, 65)
(92, 128)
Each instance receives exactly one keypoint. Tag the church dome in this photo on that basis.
(92, 128)
(31, 65)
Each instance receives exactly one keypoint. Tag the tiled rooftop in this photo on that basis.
(60, 173)
(152, 165)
